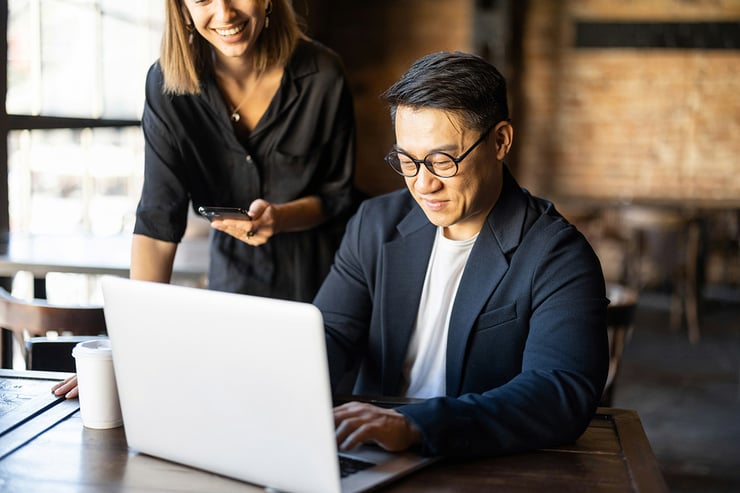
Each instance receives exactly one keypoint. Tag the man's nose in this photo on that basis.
(425, 181)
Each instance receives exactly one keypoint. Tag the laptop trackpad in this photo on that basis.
(383, 467)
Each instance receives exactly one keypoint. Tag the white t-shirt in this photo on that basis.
(424, 367)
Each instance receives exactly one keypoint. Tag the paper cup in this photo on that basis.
(96, 383)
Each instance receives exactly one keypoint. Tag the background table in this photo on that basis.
(97, 255)
(92, 255)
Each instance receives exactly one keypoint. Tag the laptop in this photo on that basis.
(236, 385)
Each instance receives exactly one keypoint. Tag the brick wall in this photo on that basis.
(629, 123)
(601, 123)
(378, 41)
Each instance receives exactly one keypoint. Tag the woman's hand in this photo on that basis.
(256, 231)
(67, 388)
(269, 219)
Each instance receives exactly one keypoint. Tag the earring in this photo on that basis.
(268, 11)
(190, 29)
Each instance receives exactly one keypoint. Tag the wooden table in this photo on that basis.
(613, 455)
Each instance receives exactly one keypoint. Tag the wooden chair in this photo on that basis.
(667, 242)
(620, 317)
(38, 319)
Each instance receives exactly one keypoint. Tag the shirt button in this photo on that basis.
(249, 158)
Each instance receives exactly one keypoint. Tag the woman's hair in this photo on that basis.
(185, 57)
(463, 84)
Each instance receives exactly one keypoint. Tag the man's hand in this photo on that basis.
(358, 423)
(67, 388)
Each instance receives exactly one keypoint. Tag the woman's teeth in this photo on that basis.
(232, 31)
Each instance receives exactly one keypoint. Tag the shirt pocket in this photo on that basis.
(298, 161)
(292, 173)
(496, 317)
(299, 149)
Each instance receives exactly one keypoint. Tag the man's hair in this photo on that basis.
(463, 84)
(184, 64)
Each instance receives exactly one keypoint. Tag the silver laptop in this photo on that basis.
(233, 384)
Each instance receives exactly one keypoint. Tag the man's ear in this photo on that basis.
(504, 135)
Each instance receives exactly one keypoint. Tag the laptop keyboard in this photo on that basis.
(349, 466)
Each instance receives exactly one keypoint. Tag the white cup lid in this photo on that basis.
(94, 348)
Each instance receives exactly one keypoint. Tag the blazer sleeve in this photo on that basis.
(345, 302)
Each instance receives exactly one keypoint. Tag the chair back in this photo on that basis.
(620, 318)
(38, 318)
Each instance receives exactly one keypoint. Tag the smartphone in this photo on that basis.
(212, 213)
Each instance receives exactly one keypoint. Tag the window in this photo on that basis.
(75, 93)
(72, 147)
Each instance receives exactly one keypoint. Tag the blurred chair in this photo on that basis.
(663, 243)
(722, 253)
(53, 353)
(620, 318)
(39, 321)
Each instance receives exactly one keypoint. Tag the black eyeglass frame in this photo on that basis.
(430, 166)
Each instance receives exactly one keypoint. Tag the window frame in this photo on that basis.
(10, 122)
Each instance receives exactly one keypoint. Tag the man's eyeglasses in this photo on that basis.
(438, 163)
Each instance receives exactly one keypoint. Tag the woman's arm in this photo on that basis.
(152, 260)
(297, 215)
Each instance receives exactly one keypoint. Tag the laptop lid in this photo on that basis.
(233, 384)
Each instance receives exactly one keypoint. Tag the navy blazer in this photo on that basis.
(527, 350)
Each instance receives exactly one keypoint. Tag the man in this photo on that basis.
(463, 289)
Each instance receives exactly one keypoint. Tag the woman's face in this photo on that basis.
(230, 26)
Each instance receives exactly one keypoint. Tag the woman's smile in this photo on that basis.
(230, 31)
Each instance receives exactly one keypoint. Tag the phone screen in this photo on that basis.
(212, 213)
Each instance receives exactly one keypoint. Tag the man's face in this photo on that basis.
(461, 203)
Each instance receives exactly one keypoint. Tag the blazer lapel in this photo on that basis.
(404, 268)
(485, 268)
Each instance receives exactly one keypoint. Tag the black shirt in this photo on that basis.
(303, 145)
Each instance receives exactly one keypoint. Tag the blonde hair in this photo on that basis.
(185, 63)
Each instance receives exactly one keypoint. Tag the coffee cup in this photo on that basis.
(96, 383)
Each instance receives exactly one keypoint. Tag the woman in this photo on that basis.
(243, 110)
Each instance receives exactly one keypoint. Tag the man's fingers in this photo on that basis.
(349, 434)
(358, 423)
